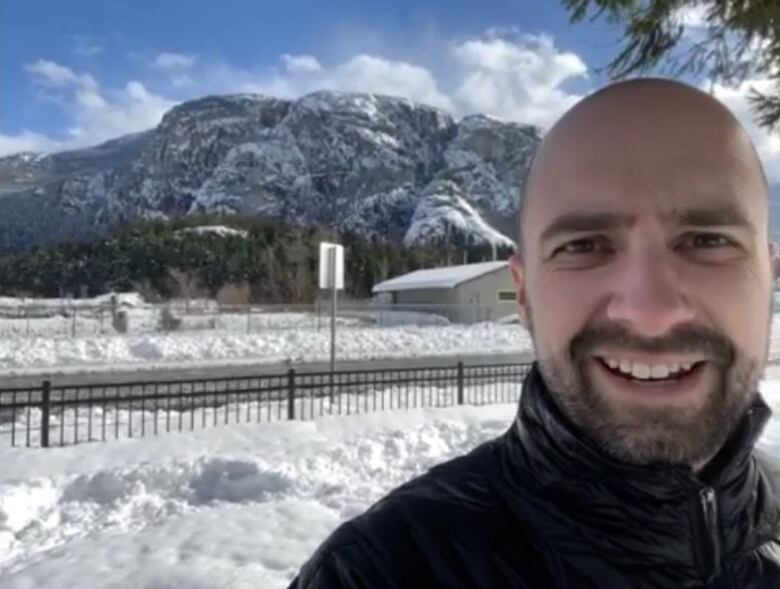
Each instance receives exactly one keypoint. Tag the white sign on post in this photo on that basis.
(326, 271)
(332, 278)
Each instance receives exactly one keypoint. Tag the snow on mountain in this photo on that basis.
(443, 212)
(376, 165)
(218, 230)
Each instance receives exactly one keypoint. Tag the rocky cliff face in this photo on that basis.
(377, 165)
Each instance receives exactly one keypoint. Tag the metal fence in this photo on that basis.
(52, 415)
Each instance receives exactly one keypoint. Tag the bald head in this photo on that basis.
(645, 236)
(642, 135)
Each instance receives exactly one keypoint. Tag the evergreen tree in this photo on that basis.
(740, 38)
(279, 263)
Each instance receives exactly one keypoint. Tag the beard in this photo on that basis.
(645, 435)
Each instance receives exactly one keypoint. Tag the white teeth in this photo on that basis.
(659, 371)
(642, 371)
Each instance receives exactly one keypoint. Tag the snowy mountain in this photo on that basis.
(376, 165)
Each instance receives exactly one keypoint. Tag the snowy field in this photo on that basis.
(35, 339)
(69, 318)
(181, 350)
(238, 507)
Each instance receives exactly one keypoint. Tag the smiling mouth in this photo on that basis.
(642, 372)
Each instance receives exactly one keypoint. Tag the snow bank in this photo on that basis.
(237, 507)
(89, 354)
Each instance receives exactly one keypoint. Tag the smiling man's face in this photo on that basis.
(646, 271)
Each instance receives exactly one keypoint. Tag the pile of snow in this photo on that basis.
(239, 507)
(183, 350)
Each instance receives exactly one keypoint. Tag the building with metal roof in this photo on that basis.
(464, 294)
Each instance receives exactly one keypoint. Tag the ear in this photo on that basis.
(517, 268)
(774, 257)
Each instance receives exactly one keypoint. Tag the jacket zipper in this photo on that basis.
(707, 535)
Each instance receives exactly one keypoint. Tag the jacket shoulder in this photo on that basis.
(770, 468)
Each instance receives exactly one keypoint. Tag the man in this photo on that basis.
(644, 276)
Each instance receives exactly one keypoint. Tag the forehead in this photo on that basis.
(650, 177)
(644, 147)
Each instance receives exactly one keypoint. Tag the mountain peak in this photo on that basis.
(368, 163)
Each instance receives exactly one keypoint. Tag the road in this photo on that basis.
(252, 370)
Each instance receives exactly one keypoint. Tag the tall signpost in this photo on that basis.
(332, 278)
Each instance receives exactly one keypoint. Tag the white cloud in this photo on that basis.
(517, 80)
(96, 115)
(168, 60)
(51, 74)
(361, 73)
(367, 73)
(767, 144)
(131, 109)
(301, 63)
(27, 141)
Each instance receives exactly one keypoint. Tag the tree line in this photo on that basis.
(274, 262)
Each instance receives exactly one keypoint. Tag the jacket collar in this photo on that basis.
(636, 514)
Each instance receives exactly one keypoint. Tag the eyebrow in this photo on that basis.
(581, 222)
(719, 216)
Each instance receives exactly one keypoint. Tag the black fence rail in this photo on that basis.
(52, 415)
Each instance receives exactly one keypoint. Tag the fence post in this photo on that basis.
(291, 394)
(460, 383)
(45, 404)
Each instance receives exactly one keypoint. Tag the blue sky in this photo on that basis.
(79, 72)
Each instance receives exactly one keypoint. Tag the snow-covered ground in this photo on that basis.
(36, 336)
(239, 507)
(71, 318)
(63, 319)
(182, 350)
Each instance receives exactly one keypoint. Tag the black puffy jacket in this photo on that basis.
(541, 508)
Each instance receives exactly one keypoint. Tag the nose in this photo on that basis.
(648, 296)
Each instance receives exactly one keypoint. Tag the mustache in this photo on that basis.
(683, 339)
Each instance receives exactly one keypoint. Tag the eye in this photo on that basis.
(707, 241)
(585, 245)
